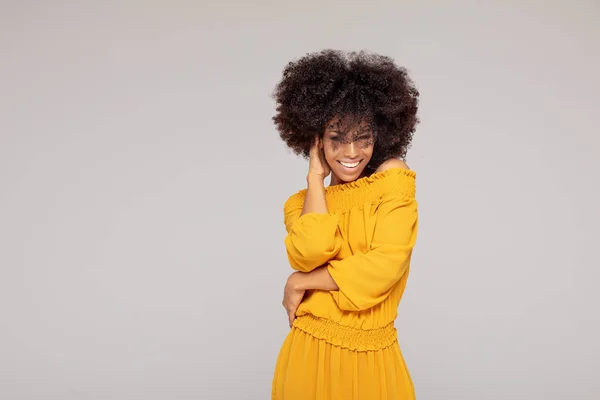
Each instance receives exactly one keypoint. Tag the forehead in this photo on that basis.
(348, 124)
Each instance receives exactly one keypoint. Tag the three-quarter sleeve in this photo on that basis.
(366, 279)
(312, 239)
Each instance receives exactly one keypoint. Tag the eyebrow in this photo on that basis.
(360, 132)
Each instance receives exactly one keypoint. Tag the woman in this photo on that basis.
(353, 115)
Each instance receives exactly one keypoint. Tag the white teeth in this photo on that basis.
(350, 165)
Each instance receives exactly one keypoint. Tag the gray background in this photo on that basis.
(142, 184)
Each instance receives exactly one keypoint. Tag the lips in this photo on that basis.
(349, 165)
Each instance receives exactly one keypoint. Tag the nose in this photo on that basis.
(350, 150)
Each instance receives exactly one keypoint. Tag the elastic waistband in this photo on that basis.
(345, 336)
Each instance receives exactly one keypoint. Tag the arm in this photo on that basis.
(317, 279)
(312, 237)
(297, 285)
(315, 196)
(364, 280)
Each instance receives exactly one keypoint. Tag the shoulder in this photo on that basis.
(392, 163)
(295, 201)
(395, 179)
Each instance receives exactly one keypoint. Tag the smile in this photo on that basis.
(349, 165)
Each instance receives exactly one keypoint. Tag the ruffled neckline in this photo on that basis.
(368, 189)
(370, 179)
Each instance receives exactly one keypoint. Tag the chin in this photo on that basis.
(347, 176)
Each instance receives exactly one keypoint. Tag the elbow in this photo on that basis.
(308, 255)
(305, 262)
(358, 301)
(302, 265)
(359, 305)
(365, 292)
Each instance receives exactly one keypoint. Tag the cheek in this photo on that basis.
(368, 153)
(366, 144)
(330, 148)
(334, 146)
(329, 152)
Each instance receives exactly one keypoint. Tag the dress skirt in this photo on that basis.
(321, 360)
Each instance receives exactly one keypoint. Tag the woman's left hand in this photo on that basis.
(292, 296)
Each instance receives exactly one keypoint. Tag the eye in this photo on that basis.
(365, 137)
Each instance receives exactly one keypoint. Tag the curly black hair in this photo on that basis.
(362, 85)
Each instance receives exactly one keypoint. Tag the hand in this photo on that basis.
(292, 296)
(317, 164)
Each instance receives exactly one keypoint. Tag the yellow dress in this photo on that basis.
(343, 344)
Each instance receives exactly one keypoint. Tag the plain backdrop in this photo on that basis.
(142, 183)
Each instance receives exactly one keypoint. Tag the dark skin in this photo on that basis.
(345, 160)
(360, 88)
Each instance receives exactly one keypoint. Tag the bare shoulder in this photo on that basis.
(392, 163)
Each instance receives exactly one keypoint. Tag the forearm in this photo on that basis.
(315, 196)
(312, 238)
(317, 279)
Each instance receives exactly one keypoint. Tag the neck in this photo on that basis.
(334, 180)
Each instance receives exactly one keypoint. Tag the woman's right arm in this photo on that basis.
(314, 201)
(312, 237)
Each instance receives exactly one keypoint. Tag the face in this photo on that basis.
(348, 151)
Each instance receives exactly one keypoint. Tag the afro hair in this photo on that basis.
(351, 86)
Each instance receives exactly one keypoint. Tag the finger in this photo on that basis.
(291, 318)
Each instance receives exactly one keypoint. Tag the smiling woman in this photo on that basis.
(347, 152)
(353, 116)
